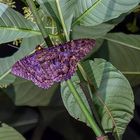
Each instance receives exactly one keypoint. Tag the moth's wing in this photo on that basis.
(30, 68)
(21, 68)
(81, 47)
(49, 65)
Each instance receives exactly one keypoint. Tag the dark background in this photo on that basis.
(61, 126)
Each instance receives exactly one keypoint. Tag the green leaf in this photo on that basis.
(70, 102)
(86, 13)
(14, 26)
(94, 12)
(9, 133)
(27, 46)
(123, 51)
(26, 93)
(117, 106)
(91, 31)
(66, 11)
(7, 79)
(81, 31)
(128, 41)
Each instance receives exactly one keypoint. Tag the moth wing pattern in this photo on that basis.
(49, 65)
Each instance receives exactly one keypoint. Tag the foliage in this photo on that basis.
(7, 132)
(70, 19)
(114, 97)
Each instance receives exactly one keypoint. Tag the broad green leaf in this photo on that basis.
(89, 13)
(86, 13)
(70, 102)
(14, 26)
(94, 12)
(7, 79)
(27, 46)
(113, 89)
(26, 93)
(116, 93)
(49, 8)
(81, 31)
(123, 51)
(126, 40)
(91, 31)
(9, 133)
(61, 10)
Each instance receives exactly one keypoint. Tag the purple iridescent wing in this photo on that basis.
(55, 64)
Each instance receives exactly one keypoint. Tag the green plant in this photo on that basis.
(98, 94)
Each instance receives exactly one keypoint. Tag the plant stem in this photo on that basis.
(84, 109)
(84, 86)
(93, 109)
(62, 20)
(39, 22)
(82, 105)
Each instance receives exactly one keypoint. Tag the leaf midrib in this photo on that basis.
(86, 12)
(121, 43)
(22, 29)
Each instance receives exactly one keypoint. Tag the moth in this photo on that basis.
(47, 66)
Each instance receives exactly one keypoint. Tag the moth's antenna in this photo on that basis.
(13, 46)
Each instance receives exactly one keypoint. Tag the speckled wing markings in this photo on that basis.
(49, 65)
